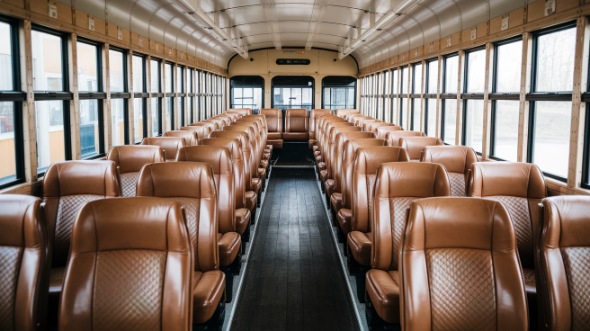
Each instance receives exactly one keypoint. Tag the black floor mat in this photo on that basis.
(294, 280)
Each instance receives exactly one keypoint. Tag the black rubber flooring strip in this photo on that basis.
(294, 279)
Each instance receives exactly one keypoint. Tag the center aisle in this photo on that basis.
(294, 280)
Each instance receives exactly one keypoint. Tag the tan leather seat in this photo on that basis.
(129, 159)
(191, 138)
(345, 112)
(296, 125)
(250, 148)
(327, 173)
(242, 212)
(415, 145)
(460, 268)
(24, 252)
(393, 137)
(520, 187)
(170, 145)
(274, 122)
(202, 129)
(115, 280)
(314, 115)
(192, 185)
(366, 163)
(382, 131)
(67, 187)
(344, 214)
(396, 186)
(219, 159)
(240, 111)
(338, 168)
(564, 261)
(376, 125)
(458, 161)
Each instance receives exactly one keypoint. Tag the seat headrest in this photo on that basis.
(176, 179)
(296, 113)
(417, 180)
(456, 159)
(217, 157)
(19, 221)
(566, 220)
(507, 178)
(155, 224)
(368, 159)
(130, 158)
(459, 222)
(81, 177)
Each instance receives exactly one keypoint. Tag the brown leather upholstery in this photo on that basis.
(129, 160)
(241, 111)
(115, 280)
(192, 185)
(24, 255)
(382, 131)
(458, 161)
(242, 213)
(296, 125)
(251, 149)
(170, 145)
(564, 261)
(366, 163)
(415, 145)
(460, 268)
(337, 166)
(344, 214)
(519, 187)
(67, 186)
(393, 137)
(345, 112)
(314, 116)
(274, 122)
(191, 138)
(372, 127)
(396, 186)
(331, 156)
(202, 129)
(219, 159)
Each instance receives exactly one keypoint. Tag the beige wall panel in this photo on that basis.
(417, 53)
(42, 7)
(169, 53)
(432, 47)
(563, 5)
(536, 10)
(17, 3)
(156, 48)
(140, 43)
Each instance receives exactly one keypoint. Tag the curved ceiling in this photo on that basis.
(369, 30)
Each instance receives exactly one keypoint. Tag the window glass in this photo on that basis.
(87, 67)
(416, 108)
(89, 139)
(476, 66)
(179, 80)
(138, 104)
(50, 133)
(154, 76)
(431, 124)
(432, 77)
(450, 120)
(7, 143)
(508, 65)
(47, 61)
(116, 71)
(6, 78)
(155, 117)
(474, 124)
(168, 77)
(506, 130)
(138, 74)
(118, 121)
(555, 61)
(451, 73)
(552, 136)
(405, 79)
(417, 81)
(169, 114)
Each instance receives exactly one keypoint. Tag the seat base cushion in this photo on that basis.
(242, 217)
(229, 245)
(383, 291)
(208, 289)
(360, 244)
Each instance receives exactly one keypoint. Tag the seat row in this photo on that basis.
(210, 190)
(371, 182)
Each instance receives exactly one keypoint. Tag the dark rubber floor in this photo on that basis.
(294, 279)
